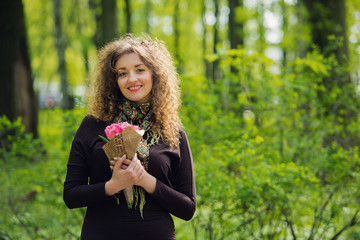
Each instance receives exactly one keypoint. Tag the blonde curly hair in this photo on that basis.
(106, 96)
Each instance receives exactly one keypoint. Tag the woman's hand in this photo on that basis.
(145, 180)
(124, 164)
(126, 173)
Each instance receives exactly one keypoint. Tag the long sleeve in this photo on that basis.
(178, 196)
(77, 190)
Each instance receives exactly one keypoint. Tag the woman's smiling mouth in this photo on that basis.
(134, 88)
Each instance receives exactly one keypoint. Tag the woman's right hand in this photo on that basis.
(124, 164)
(126, 173)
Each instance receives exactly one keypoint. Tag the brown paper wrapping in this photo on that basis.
(127, 143)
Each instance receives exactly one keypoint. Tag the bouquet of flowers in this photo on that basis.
(123, 138)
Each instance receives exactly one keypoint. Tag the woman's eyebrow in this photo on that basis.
(123, 68)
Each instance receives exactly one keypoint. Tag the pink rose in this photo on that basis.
(110, 131)
(116, 128)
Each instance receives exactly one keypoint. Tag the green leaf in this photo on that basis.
(103, 138)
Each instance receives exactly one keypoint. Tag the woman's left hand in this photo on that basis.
(135, 167)
(144, 179)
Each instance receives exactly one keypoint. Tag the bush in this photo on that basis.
(17, 146)
(31, 204)
(270, 161)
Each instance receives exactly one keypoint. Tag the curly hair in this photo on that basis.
(106, 96)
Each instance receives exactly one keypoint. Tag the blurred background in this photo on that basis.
(270, 93)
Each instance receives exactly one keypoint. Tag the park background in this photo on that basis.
(270, 94)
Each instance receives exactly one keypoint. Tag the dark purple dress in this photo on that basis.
(88, 170)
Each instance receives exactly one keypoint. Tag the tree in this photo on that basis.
(128, 15)
(147, 16)
(207, 64)
(106, 21)
(236, 31)
(60, 42)
(328, 18)
(329, 34)
(17, 97)
(176, 26)
(236, 37)
(259, 16)
(215, 65)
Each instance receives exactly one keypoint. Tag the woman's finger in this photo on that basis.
(112, 163)
(139, 169)
(132, 163)
(122, 157)
(126, 161)
(135, 157)
(119, 162)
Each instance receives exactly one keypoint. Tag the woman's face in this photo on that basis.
(134, 78)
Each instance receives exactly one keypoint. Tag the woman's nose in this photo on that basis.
(132, 76)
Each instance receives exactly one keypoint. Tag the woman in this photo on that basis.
(136, 82)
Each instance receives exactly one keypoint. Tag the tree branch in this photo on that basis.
(289, 223)
(318, 218)
(354, 220)
(16, 215)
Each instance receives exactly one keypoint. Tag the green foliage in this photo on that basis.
(16, 144)
(268, 164)
(276, 150)
(31, 204)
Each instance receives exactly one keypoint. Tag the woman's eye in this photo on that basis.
(121, 74)
(141, 70)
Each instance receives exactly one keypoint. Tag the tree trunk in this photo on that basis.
(284, 29)
(328, 18)
(94, 5)
(236, 29)
(300, 14)
(17, 97)
(85, 40)
(215, 68)
(60, 42)
(109, 20)
(106, 21)
(176, 23)
(207, 64)
(259, 15)
(128, 16)
(232, 87)
(147, 16)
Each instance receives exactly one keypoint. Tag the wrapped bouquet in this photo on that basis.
(123, 138)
